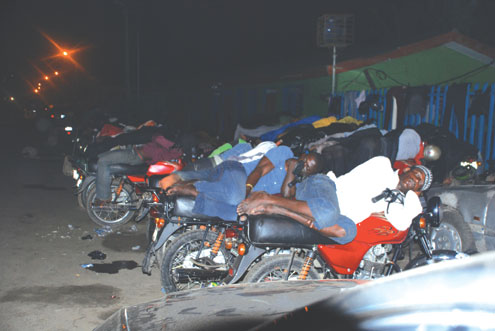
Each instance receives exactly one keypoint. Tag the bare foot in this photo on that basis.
(255, 201)
(182, 189)
(168, 181)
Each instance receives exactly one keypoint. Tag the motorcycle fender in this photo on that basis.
(86, 182)
(242, 263)
(169, 229)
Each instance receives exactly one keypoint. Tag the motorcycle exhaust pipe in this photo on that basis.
(185, 276)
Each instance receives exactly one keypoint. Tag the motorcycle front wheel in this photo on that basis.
(274, 268)
(115, 213)
(182, 268)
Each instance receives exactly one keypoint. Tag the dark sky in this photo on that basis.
(191, 40)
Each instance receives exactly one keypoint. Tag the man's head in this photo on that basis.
(313, 163)
(417, 178)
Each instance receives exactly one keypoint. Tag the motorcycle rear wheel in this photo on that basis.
(274, 268)
(179, 255)
(114, 214)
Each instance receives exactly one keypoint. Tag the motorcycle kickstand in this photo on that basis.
(287, 272)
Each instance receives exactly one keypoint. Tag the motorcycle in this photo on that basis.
(131, 195)
(191, 250)
(374, 253)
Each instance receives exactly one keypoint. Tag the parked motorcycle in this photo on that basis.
(131, 195)
(374, 252)
(191, 250)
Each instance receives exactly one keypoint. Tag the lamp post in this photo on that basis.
(335, 31)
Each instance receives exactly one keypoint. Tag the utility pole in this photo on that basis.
(127, 64)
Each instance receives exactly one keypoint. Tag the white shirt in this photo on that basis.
(356, 189)
(254, 154)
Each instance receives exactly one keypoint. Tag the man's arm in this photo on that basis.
(304, 219)
(263, 167)
(289, 192)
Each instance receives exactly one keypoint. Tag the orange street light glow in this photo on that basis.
(36, 91)
(64, 52)
(39, 84)
(47, 78)
(56, 73)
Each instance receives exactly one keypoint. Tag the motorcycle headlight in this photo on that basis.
(471, 163)
(432, 153)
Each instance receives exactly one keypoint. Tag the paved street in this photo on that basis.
(42, 283)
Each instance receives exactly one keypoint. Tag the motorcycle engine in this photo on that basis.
(373, 263)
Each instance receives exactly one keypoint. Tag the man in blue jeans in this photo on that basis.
(219, 190)
(312, 202)
(158, 149)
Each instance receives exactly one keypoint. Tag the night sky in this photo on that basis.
(196, 42)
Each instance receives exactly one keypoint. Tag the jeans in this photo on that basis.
(103, 174)
(320, 194)
(220, 189)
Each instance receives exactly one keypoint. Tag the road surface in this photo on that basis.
(42, 283)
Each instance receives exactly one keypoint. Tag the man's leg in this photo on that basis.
(103, 175)
(223, 192)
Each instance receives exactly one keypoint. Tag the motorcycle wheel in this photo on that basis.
(114, 214)
(438, 256)
(453, 233)
(273, 268)
(180, 254)
(82, 197)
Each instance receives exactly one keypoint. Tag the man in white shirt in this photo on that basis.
(356, 189)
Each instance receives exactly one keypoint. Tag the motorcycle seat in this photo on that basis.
(127, 169)
(154, 181)
(183, 206)
(282, 231)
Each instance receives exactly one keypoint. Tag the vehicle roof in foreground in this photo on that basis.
(442, 296)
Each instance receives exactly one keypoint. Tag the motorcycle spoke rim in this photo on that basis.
(113, 213)
(182, 259)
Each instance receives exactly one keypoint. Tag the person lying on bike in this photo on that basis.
(318, 199)
(312, 202)
(219, 190)
(357, 188)
(158, 149)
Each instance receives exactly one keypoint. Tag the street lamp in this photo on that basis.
(335, 31)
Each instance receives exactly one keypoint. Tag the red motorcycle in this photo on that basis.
(374, 252)
(132, 197)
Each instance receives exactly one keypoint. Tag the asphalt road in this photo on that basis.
(42, 283)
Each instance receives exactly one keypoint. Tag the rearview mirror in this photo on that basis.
(433, 211)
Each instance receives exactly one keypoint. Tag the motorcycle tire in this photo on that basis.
(438, 256)
(179, 255)
(82, 197)
(81, 201)
(113, 215)
(453, 233)
(273, 268)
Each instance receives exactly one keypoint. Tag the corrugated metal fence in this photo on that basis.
(477, 129)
